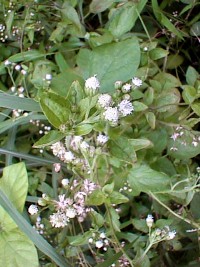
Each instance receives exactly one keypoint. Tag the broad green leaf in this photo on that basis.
(189, 94)
(191, 76)
(14, 183)
(111, 62)
(26, 56)
(61, 62)
(15, 102)
(122, 20)
(139, 106)
(167, 80)
(113, 218)
(56, 108)
(158, 53)
(97, 218)
(151, 119)
(62, 82)
(117, 198)
(195, 29)
(139, 144)
(79, 240)
(16, 249)
(185, 146)
(49, 139)
(196, 108)
(26, 228)
(166, 101)
(83, 129)
(97, 198)
(144, 179)
(97, 6)
(122, 149)
(173, 61)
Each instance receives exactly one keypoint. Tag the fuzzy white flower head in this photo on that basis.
(125, 107)
(7, 62)
(84, 145)
(99, 244)
(48, 77)
(171, 235)
(102, 139)
(136, 81)
(71, 213)
(149, 220)
(111, 114)
(104, 100)
(68, 156)
(58, 220)
(33, 209)
(126, 87)
(65, 182)
(92, 85)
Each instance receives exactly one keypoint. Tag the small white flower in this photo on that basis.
(68, 156)
(171, 235)
(125, 107)
(149, 220)
(175, 136)
(105, 100)
(71, 213)
(118, 84)
(102, 139)
(17, 67)
(195, 143)
(90, 240)
(65, 182)
(103, 235)
(58, 220)
(111, 114)
(92, 85)
(84, 145)
(33, 209)
(48, 77)
(23, 72)
(99, 244)
(145, 48)
(136, 81)
(7, 63)
(126, 87)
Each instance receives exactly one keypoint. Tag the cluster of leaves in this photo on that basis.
(153, 152)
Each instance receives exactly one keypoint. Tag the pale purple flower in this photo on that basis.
(136, 81)
(105, 100)
(111, 114)
(59, 220)
(125, 107)
(68, 156)
(92, 85)
(126, 87)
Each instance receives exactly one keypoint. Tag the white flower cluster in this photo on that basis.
(69, 208)
(92, 85)
(99, 240)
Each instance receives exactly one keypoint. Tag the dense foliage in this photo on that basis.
(99, 133)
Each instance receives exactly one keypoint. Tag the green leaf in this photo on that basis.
(83, 129)
(49, 139)
(97, 6)
(196, 108)
(189, 94)
(56, 108)
(139, 106)
(15, 102)
(144, 179)
(151, 119)
(167, 80)
(111, 62)
(191, 76)
(97, 198)
(122, 20)
(26, 228)
(195, 29)
(173, 61)
(139, 144)
(121, 150)
(113, 218)
(16, 249)
(158, 53)
(118, 198)
(30, 55)
(185, 146)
